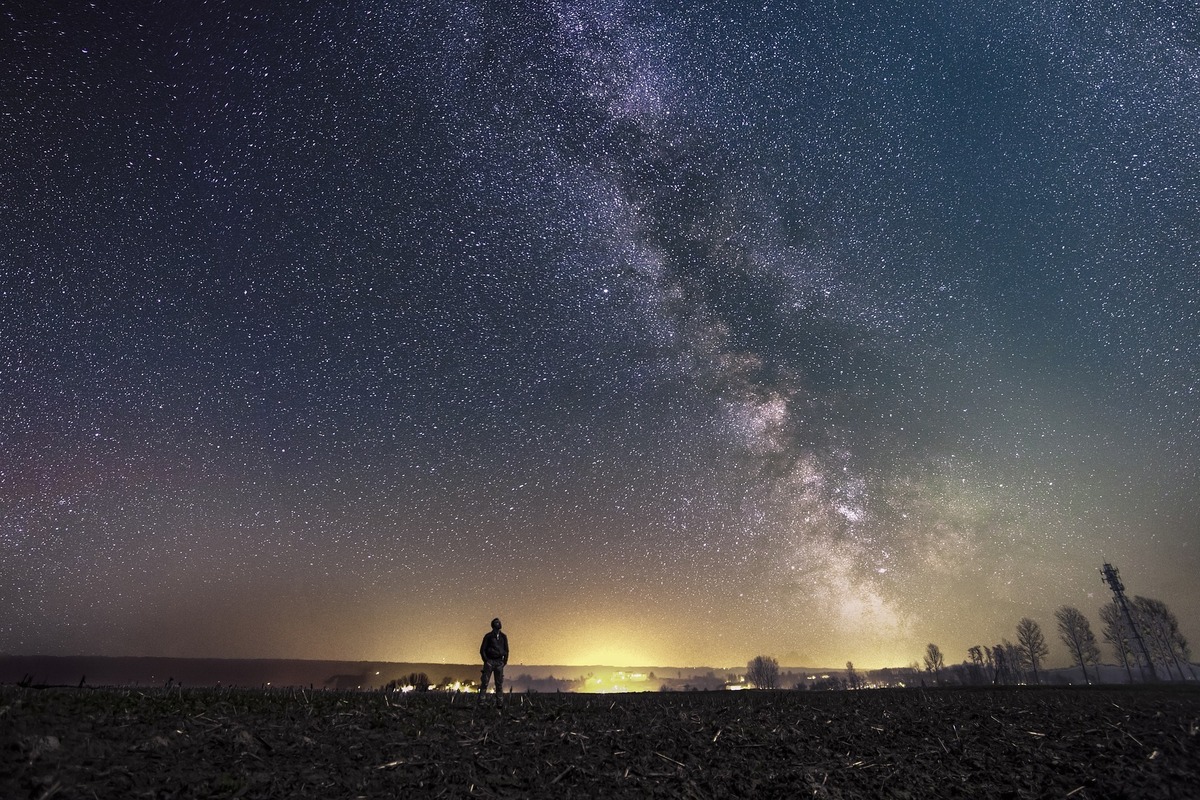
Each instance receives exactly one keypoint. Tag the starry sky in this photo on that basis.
(673, 333)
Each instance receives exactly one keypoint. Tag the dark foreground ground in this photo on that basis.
(1011, 743)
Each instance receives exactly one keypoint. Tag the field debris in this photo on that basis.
(980, 743)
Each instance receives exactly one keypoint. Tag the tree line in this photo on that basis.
(1166, 654)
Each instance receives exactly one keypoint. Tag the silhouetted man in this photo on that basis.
(494, 652)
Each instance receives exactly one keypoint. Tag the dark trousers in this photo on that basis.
(493, 666)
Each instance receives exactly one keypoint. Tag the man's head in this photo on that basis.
(496, 624)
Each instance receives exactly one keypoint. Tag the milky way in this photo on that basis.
(672, 334)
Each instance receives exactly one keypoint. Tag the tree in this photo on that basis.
(975, 667)
(999, 658)
(1160, 629)
(852, 679)
(763, 672)
(418, 680)
(934, 662)
(1076, 633)
(989, 663)
(1185, 652)
(1115, 634)
(1012, 661)
(1005, 660)
(1032, 645)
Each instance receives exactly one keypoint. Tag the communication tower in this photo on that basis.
(1113, 578)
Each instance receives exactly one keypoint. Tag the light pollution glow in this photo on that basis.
(670, 335)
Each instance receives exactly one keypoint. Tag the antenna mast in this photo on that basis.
(1113, 578)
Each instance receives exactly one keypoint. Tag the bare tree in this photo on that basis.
(999, 658)
(852, 679)
(763, 672)
(416, 680)
(1013, 661)
(1076, 633)
(1115, 634)
(1185, 652)
(934, 661)
(1005, 660)
(989, 663)
(975, 653)
(1032, 645)
(1160, 628)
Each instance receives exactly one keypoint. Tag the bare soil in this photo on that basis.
(1077, 743)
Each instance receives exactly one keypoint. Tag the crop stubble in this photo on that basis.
(979, 743)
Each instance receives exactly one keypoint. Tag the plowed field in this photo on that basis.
(987, 743)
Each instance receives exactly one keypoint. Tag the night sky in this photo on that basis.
(671, 333)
